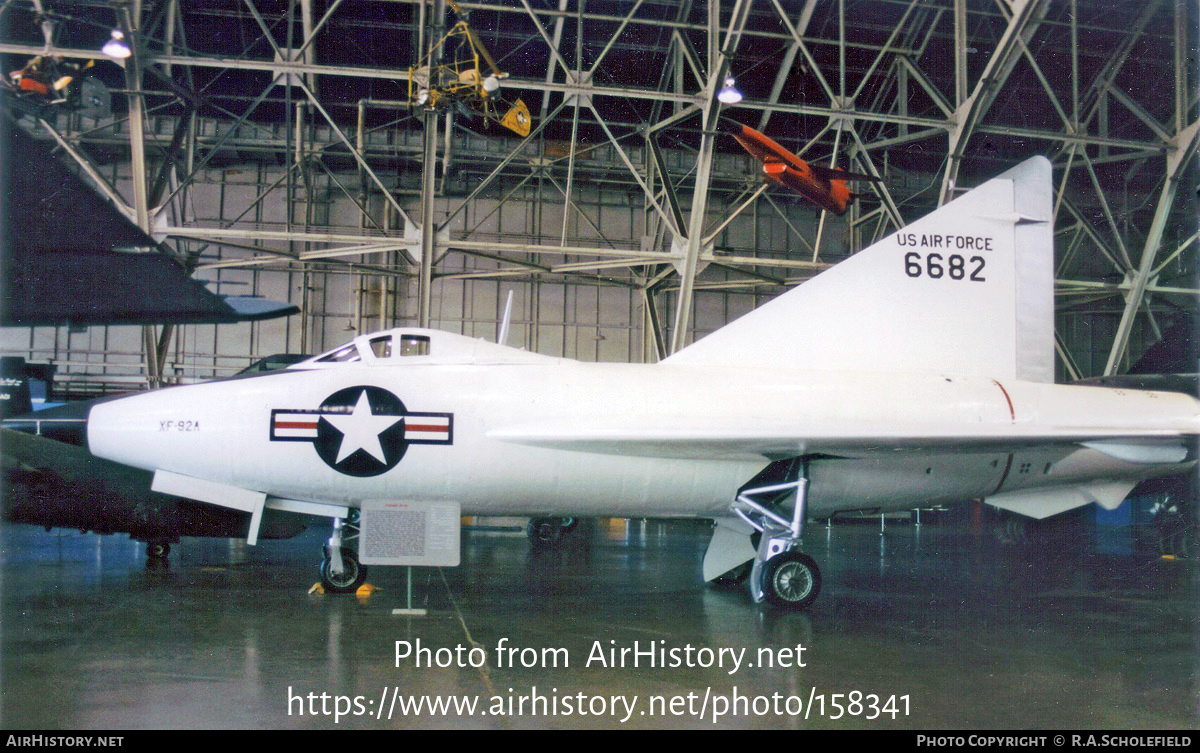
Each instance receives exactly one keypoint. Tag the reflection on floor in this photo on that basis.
(934, 626)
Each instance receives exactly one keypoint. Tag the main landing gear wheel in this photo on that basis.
(1011, 529)
(781, 575)
(791, 580)
(349, 579)
(546, 533)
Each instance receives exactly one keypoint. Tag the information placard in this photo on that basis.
(424, 534)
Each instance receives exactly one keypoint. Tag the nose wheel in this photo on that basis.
(348, 578)
(341, 572)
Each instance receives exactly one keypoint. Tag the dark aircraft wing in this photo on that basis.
(69, 256)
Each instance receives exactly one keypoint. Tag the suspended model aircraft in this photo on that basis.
(461, 79)
(824, 186)
(919, 371)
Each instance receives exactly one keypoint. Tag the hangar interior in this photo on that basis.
(307, 187)
(369, 163)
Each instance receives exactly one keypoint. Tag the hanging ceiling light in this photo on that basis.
(729, 94)
(116, 47)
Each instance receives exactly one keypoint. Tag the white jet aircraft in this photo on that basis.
(917, 372)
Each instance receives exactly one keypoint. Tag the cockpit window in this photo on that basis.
(382, 347)
(344, 354)
(414, 345)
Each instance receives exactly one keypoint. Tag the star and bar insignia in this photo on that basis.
(361, 431)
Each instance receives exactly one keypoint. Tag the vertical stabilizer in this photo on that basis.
(967, 289)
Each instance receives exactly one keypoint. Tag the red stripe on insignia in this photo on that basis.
(427, 427)
(296, 424)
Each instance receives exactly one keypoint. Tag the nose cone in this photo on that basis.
(190, 430)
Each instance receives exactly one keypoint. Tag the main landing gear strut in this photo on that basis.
(340, 571)
(782, 575)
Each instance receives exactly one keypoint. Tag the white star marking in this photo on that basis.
(361, 429)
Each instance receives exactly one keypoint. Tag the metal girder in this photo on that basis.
(1123, 289)
(1185, 147)
(428, 227)
(155, 343)
(552, 62)
(1090, 232)
(900, 25)
(1026, 15)
(592, 90)
(798, 41)
(629, 163)
(877, 186)
(1139, 111)
(88, 168)
(664, 177)
(716, 75)
(811, 42)
(1104, 79)
(789, 58)
(312, 98)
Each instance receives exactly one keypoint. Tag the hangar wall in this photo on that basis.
(595, 318)
(1106, 90)
(591, 317)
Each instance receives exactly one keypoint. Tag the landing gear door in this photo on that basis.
(422, 534)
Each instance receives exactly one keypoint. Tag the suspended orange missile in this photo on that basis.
(823, 186)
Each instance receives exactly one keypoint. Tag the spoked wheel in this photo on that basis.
(545, 533)
(1012, 529)
(791, 580)
(349, 579)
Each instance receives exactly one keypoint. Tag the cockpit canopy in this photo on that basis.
(405, 346)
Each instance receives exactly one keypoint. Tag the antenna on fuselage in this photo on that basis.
(502, 338)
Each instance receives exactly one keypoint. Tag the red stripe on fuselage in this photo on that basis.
(1012, 413)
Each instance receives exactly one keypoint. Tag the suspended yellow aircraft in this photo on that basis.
(460, 79)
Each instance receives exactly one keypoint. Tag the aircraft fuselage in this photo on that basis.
(570, 438)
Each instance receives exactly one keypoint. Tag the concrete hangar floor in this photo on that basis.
(917, 627)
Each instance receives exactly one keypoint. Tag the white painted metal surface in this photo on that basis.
(929, 388)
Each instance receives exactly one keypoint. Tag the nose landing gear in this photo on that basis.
(341, 571)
